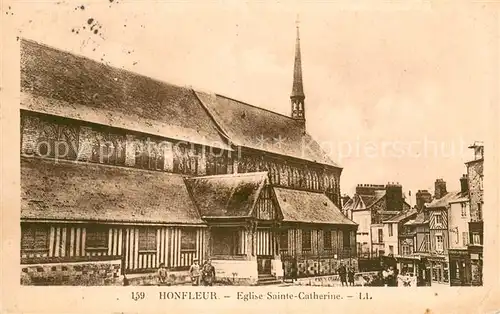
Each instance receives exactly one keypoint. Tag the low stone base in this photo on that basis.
(151, 279)
(97, 273)
(236, 272)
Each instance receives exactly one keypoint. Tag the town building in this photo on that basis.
(475, 179)
(459, 218)
(416, 232)
(121, 173)
(369, 207)
(393, 228)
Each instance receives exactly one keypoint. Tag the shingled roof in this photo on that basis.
(445, 200)
(402, 216)
(362, 202)
(309, 207)
(257, 128)
(60, 83)
(72, 191)
(223, 196)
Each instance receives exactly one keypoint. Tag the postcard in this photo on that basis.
(213, 155)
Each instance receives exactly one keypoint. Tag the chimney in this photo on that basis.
(464, 184)
(439, 188)
(423, 197)
(394, 196)
(369, 189)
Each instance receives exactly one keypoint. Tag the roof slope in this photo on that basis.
(403, 215)
(64, 84)
(232, 195)
(362, 202)
(261, 129)
(81, 191)
(309, 207)
(445, 200)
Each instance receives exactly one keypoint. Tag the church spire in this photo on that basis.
(297, 97)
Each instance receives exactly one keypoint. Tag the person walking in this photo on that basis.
(194, 272)
(294, 270)
(350, 276)
(343, 274)
(162, 274)
(208, 273)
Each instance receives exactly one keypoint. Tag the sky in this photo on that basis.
(394, 93)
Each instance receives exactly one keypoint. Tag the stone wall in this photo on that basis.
(237, 272)
(475, 175)
(72, 274)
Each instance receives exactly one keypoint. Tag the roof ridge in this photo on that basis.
(96, 165)
(254, 106)
(229, 175)
(298, 190)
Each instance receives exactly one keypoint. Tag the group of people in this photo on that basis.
(202, 275)
(390, 276)
(199, 274)
(346, 275)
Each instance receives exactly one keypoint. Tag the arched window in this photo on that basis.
(274, 174)
(289, 176)
(309, 179)
(302, 180)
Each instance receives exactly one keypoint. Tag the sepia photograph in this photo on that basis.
(175, 144)
(129, 179)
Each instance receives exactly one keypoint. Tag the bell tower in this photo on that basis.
(297, 97)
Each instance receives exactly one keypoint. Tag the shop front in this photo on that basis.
(460, 267)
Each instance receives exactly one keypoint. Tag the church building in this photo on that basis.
(121, 173)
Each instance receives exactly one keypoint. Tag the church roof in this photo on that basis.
(309, 207)
(60, 83)
(74, 191)
(225, 196)
(257, 128)
(63, 84)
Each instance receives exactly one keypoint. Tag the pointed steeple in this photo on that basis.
(297, 97)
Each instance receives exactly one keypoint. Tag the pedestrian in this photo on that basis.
(194, 273)
(343, 274)
(162, 274)
(385, 276)
(208, 273)
(125, 280)
(350, 275)
(294, 269)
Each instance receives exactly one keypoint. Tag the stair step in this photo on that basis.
(267, 279)
(268, 282)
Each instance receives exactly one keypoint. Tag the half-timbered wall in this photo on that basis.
(293, 174)
(438, 219)
(168, 249)
(264, 208)
(54, 137)
(266, 243)
(71, 242)
(341, 242)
